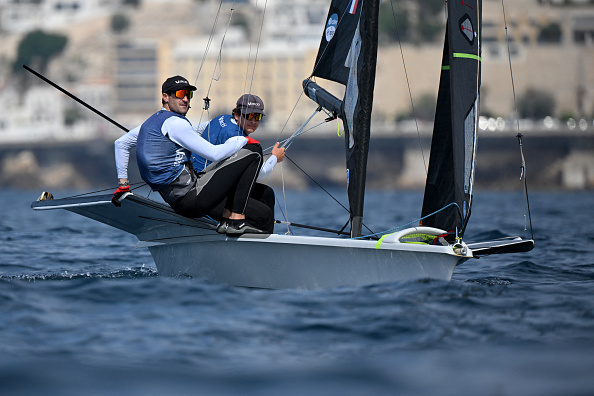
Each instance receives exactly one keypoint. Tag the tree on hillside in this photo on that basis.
(119, 23)
(536, 104)
(241, 20)
(424, 109)
(405, 21)
(393, 23)
(430, 19)
(37, 48)
(133, 3)
(550, 33)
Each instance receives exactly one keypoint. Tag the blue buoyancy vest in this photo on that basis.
(160, 160)
(217, 132)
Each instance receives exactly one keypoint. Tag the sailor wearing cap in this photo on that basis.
(165, 143)
(244, 120)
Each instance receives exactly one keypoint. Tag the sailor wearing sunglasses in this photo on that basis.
(243, 121)
(164, 146)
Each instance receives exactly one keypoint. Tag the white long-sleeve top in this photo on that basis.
(181, 132)
(127, 142)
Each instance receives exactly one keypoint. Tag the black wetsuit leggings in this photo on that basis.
(229, 184)
(259, 210)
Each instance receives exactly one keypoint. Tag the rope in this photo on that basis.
(412, 222)
(288, 141)
(523, 176)
(286, 144)
(291, 114)
(317, 184)
(289, 232)
(108, 189)
(323, 189)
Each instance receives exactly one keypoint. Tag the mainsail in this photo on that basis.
(451, 166)
(347, 55)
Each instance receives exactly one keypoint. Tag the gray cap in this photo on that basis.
(249, 103)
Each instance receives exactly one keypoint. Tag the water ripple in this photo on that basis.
(80, 301)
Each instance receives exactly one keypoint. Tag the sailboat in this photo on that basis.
(182, 246)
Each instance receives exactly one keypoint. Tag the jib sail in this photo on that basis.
(452, 162)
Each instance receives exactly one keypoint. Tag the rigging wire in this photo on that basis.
(323, 189)
(257, 52)
(412, 104)
(290, 115)
(519, 135)
(210, 38)
(511, 73)
(286, 142)
(218, 63)
(290, 139)
(317, 184)
(310, 78)
(219, 57)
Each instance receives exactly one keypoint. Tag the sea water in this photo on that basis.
(84, 312)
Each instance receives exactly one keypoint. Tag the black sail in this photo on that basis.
(347, 55)
(451, 166)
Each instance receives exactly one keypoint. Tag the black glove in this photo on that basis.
(117, 194)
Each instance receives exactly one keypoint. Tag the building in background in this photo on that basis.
(21, 16)
(136, 75)
(549, 43)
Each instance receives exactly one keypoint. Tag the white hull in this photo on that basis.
(188, 247)
(283, 261)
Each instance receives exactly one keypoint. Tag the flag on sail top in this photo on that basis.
(353, 7)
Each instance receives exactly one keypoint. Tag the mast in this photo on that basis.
(357, 154)
(348, 55)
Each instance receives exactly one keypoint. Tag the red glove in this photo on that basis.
(252, 141)
(117, 194)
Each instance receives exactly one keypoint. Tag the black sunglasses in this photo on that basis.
(253, 116)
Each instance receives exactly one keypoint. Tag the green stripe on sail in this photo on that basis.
(468, 56)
